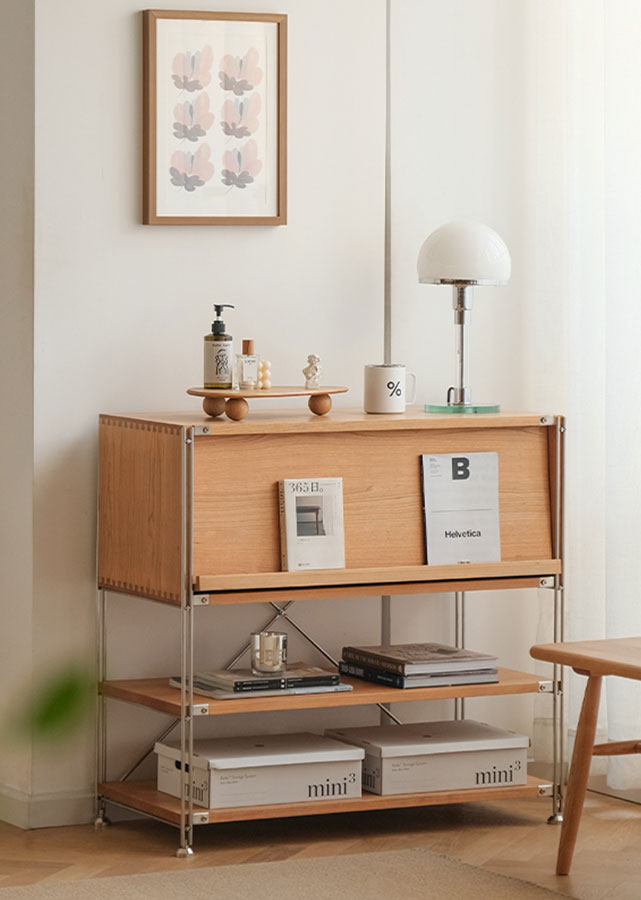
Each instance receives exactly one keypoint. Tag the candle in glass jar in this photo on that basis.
(268, 652)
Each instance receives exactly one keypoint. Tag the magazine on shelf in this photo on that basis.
(461, 507)
(311, 523)
(297, 675)
(419, 659)
(206, 690)
(380, 676)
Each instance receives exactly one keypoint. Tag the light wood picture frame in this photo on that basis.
(215, 118)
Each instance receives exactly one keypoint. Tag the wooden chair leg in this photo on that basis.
(579, 771)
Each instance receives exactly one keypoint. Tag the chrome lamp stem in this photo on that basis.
(462, 303)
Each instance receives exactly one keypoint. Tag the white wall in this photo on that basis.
(16, 390)
(459, 150)
(120, 308)
(471, 83)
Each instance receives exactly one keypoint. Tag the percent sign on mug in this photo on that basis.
(385, 388)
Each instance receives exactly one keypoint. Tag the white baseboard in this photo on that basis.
(46, 810)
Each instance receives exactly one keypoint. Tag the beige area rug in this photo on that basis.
(402, 875)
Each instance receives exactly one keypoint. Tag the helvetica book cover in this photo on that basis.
(461, 507)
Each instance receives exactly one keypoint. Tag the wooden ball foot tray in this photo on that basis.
(234, 402)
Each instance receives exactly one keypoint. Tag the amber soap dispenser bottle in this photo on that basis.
(218, 370)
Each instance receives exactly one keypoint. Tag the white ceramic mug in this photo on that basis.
(386, 388)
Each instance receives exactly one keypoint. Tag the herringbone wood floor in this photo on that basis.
(511, 838)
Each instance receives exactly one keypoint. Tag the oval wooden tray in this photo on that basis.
(234, 402)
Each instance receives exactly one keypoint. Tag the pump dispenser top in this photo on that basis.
(218, 326)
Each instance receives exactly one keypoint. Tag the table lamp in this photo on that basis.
(463, 253)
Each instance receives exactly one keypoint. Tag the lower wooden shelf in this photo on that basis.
(143, 797)
(157, 694)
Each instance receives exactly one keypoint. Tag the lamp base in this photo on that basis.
(462, 409)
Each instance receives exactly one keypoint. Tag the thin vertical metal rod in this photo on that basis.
(559, 630)
(557, 711)
(459, 641)
(184, 776)
(190, 720)
(387, 291)
(386, 619)
(386, 605)
(189, 582)
(101, 736)
(186, 663)
(462, 298)
(386, 638)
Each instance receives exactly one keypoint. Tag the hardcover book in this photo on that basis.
(419, 659)
(311, 523)
(380, 676)
(297, 675)
(221, 694)
(461, 506)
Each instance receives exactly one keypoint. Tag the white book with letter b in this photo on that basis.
(311, 523)
(461, 504)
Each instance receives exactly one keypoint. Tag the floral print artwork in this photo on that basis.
(240, 117)
(240, 74)
(193, 118)
(191, 71)
(191, 170)
(191, 166)
(241, 166)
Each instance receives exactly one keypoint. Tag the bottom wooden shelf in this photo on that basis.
(143, 796)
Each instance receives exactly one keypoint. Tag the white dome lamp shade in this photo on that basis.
(463, 253)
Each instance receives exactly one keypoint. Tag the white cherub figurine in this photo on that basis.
(312, 371)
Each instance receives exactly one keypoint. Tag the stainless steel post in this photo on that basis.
(186, 654)
(559, 631)
(386, 638)
(101, 711)
(462, 300)
(459, 641)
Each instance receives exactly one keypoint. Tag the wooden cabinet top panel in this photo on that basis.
(299, 419)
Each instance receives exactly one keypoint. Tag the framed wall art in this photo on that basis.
(215, 118)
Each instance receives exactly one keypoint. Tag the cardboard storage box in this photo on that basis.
(437, 756)
(256, 770)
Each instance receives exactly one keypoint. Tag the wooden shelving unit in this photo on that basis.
(157, 694)
(143, 796)
(176, 491)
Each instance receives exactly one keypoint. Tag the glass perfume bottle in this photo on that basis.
(247, 368)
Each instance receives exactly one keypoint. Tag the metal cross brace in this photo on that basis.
(280, 612)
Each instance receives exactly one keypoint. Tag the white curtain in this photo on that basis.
(583, 326)
(527, 115)
(622, 39)
(602, 214)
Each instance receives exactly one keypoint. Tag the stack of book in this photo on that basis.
(226, 684)
(419, 665)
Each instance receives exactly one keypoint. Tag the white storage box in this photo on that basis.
(437, 756)
(271, 768)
